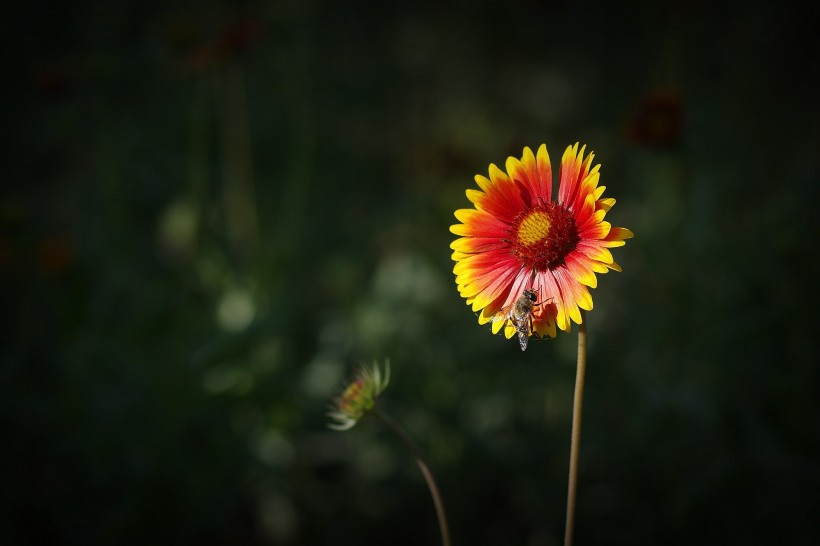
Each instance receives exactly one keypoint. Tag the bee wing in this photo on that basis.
(503, 318)
(503, 314)
(524, 327)
(523, 339)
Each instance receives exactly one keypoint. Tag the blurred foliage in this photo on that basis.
(214, 211)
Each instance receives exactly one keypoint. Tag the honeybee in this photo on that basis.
(520, 314)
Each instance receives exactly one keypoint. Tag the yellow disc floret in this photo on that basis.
(534, 228)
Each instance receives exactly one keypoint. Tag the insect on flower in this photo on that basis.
(519, 313)
(519, 233)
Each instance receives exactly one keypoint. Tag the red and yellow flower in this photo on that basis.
(518, 237)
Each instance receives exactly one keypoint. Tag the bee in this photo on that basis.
(519, 313)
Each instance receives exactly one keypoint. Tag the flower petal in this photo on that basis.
(550, 288)
(475, 245)
(579, 270)
(534, 173)
(619, 234)
(604, 204)
(595, 250)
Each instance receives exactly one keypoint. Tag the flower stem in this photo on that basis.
(572, 488)
(425, 470)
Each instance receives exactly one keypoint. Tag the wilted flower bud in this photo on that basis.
(359, 397)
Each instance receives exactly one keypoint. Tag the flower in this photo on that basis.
(359, 397)
(518, 238)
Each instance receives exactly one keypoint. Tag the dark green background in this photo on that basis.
(210, 213)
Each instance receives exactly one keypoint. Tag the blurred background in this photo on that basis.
(212, 212)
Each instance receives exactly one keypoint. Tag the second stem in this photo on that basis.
(425, 471)
(572, 488)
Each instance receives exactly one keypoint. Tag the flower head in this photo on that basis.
(519, 238)
(359, 396)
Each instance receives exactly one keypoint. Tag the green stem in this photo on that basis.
(425, 470)
(572, 488)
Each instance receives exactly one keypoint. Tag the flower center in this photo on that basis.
(543, 235)
(534, 228)
(352, 399)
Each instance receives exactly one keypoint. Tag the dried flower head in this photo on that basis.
(359, 397)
